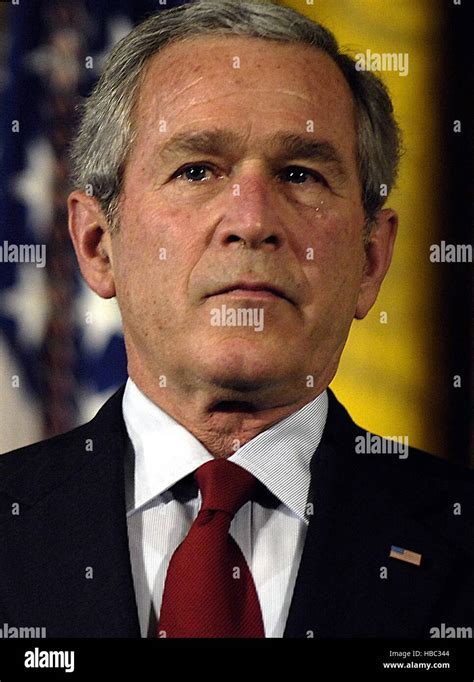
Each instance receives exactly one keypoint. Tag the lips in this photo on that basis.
(252, 286)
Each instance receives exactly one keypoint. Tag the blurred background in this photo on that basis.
(406, 370)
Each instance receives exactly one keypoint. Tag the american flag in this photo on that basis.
(406, 555)
(61, 346)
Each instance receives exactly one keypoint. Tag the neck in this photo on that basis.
(223, 419)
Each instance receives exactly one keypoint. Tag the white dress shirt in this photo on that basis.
(160, 513)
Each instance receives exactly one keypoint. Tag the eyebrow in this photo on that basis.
(287, 145)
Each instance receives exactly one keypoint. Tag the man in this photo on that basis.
(227, 175)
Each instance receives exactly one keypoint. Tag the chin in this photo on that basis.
(241, 364)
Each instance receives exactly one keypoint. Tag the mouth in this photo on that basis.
(247, 289)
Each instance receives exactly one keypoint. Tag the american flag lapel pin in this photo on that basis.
(405, 555)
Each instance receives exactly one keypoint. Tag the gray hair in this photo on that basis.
(106, 132)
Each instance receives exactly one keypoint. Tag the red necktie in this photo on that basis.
(209, 590)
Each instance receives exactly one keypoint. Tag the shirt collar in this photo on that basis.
(166, 452)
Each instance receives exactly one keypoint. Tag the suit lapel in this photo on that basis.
(347, 584)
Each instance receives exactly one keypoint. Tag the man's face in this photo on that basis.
(239, 210)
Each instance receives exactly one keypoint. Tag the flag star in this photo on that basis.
(27, 303)
(34, 184)
(98, 318)
(117, 28)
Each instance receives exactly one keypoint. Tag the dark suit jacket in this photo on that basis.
(64, 556)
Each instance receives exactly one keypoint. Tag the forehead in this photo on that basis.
(247, 81)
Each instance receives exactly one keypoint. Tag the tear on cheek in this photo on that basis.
(319, 210)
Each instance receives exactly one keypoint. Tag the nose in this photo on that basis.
(251, 216)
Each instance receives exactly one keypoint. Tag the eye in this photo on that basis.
(193, 172)
(298, 175)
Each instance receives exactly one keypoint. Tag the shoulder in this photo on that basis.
(53, 456)
(436, 490)
(393, 454)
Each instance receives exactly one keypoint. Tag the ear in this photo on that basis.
(92, 243)
(379, 250)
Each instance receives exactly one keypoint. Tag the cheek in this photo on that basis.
(153, 251)
(333, 276)
(333, 239)
(153, 230)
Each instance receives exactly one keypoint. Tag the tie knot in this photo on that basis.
(224, 486)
